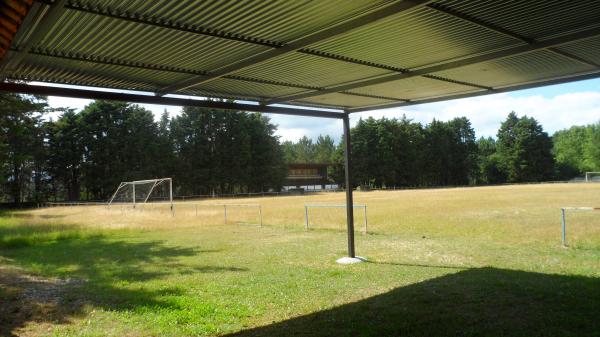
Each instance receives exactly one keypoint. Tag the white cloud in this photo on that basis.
(487, 112)
(294, 127)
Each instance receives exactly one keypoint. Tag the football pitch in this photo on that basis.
(483, 261)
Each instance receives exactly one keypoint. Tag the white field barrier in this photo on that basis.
(228, 211)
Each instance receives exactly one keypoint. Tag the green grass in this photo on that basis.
(472, 262)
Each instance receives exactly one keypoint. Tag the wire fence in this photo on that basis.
(309, 206)
(309, 192)
(230, 212)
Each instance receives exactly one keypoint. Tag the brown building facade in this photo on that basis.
(307, 174)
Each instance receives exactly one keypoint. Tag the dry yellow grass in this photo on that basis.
(527, 213)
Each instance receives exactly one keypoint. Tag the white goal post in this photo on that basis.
(128, 194)
(589, 177)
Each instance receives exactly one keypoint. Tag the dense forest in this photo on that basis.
(84, 155)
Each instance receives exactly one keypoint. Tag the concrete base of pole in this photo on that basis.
(351, 260)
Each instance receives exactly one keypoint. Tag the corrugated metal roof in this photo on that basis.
(311, 70)
(531, 18)
(518, 69)
(343, 100)
(99, 35)
(276, 21)
(414, 39)
(442, 48)
(242, 89)
(414, 88)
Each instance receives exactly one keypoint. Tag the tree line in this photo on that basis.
(403, 153)
(85, 155)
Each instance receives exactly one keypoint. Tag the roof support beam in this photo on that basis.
(155, 67)
(46, 16)
(298, 44)
(159, 67)
(379, 66)
(561, 80)
(150, 99)
(490, 56)
(505, 32)
(168, 24)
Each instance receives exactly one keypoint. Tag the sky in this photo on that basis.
(555, 107)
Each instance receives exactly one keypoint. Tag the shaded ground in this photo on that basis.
(91, 269)
(475, 302)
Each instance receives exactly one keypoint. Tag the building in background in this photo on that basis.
(309, 176)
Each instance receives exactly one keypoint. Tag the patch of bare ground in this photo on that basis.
(30, 305)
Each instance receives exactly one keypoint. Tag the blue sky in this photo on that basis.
(555, 107)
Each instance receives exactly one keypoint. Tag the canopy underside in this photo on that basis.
(352, 55)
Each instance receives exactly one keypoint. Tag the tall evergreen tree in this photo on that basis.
(525, 150)
(219, 151)
(591, 148)
(119, 141)
(323, 149)
(489, 165)
(66, 154)
(21, 145)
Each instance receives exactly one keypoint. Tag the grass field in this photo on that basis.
(442, 262)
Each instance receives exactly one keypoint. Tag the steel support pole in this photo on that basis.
(348, 173)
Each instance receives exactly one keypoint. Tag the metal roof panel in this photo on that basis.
(416, 39)
(517, 69)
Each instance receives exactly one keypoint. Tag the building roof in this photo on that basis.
(351, 55)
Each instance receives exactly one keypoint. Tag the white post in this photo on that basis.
(365, 207)
(133, 195)
(306, 217)
(171, 195)
(564, 227)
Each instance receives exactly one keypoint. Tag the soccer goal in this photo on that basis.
(591, 177)
(140, 191)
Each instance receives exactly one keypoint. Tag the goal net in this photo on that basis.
(592, 177)
(142, 191)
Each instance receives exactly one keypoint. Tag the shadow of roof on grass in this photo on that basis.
(474, 302)
(75, 270)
